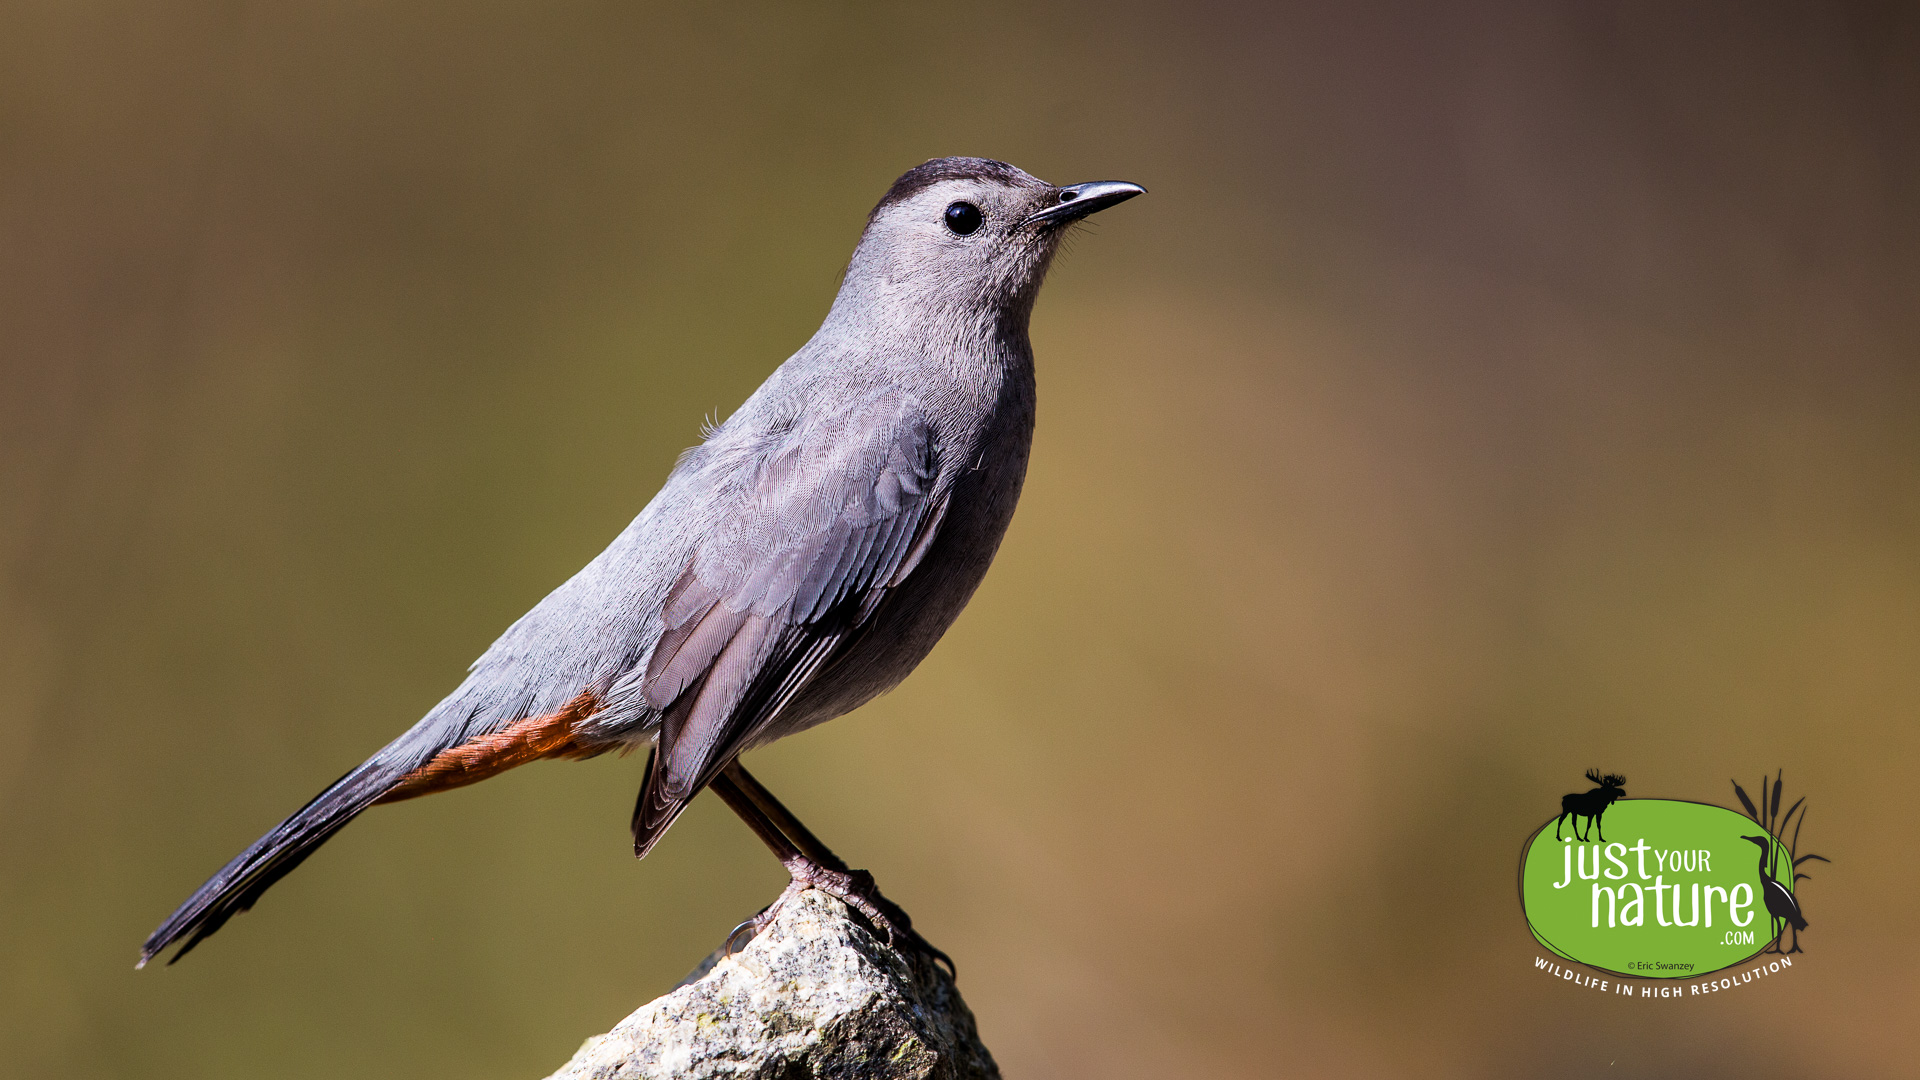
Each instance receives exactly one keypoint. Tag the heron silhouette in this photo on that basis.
(1779, 899)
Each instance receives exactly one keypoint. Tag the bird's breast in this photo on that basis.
(982, 485)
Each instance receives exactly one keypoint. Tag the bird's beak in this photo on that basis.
(1076, 201)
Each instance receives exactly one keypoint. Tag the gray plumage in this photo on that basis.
(800, 561)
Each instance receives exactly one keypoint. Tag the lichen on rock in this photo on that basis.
(815, 994)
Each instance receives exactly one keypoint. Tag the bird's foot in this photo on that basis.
(854, 888)
(857, 890)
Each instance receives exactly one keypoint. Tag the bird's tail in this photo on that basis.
(239, 883)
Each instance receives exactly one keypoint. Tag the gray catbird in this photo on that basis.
(799, 562)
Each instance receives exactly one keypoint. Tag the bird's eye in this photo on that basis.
(963, 218)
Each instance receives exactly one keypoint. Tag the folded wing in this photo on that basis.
(820, 532)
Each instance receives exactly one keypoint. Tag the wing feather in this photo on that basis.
(770, 599)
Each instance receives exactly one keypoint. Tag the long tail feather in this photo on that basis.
(241, 882)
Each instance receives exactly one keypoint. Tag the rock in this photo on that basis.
(815, 994)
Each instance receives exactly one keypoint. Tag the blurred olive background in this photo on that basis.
(1485, 392)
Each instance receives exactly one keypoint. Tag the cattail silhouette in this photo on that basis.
(1781, 902)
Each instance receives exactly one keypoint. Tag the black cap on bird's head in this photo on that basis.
(1050, 205)
(971, 232)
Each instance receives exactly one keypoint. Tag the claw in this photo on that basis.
(753, 929)
(953, 973)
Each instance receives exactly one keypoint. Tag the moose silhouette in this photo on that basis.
(1590, 804)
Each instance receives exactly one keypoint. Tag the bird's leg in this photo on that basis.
(810, 863)
(783, 819)
(895, 919)
(830, 875)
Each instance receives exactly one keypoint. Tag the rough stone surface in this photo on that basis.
(816, 994)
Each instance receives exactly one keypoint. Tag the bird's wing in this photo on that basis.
(820, 530)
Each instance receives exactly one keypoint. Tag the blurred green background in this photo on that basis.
(1486, 391)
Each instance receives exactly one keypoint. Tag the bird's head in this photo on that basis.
(960, 239)
(1765, 842)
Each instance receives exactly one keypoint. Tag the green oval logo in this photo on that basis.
(1677, 889)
